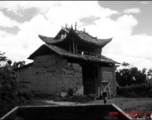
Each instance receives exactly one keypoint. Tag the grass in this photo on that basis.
(133, 104)
(142, 105)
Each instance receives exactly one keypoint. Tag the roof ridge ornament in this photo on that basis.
(75, 25)
(84, 30)
(66, 25)
(72, 27)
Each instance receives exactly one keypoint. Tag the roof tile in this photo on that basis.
(82, 35)
(63, 52)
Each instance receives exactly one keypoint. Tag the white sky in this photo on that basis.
(22, 21)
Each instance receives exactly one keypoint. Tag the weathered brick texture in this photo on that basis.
(52, 74)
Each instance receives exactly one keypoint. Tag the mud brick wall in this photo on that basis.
(23, 75)
(52, 74)
(23, 78)
(108, 74)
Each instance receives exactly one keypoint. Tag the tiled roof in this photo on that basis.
(94, 40)
(49, 40)
(85, 37)
(63, 52)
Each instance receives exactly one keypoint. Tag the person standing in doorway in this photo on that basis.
(104, 90)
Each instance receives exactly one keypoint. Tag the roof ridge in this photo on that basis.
(81, 34)
(65, 29)
(89, 35)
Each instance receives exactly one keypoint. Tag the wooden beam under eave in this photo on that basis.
(73, 47)
(96, 50)
(70, 47)
(76, 47)
(99, 53)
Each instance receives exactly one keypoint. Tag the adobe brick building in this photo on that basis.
(71, 60)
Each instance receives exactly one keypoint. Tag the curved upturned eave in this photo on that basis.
(104, 42)
(100, 42)
(51, 40)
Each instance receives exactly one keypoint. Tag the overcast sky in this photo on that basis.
(128, 22)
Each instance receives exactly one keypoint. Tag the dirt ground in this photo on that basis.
(142, 105)
(136, 104)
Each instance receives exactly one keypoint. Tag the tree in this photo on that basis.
(11, 93)
(149, 73)
(129, 76)
(144, 70)
(8, 83)
(125, 64)
(123, 75)
(144, 76)
(18, 64)
(2, 58)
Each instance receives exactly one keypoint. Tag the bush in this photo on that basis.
(10, 92)
(25, 94)
(137, 90)
(8, 84)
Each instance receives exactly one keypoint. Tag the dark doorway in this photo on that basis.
(89, 74)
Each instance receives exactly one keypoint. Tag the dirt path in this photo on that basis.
(142, 105)
(126, 104)
(136, 104)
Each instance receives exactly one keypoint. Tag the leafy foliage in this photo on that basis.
(129, 76)
(125, 64)
(10, 92)
(18, 64)
(149, 73)
(133, 82)
(8, 84)
(138, 90)
(2, 57)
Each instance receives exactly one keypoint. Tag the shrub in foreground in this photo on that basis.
(10, 93)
